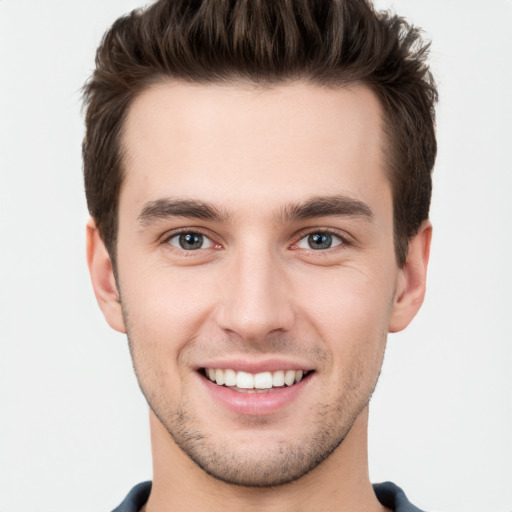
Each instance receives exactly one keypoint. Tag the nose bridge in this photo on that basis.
(256, 298)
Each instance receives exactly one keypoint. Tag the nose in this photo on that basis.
(256, 296)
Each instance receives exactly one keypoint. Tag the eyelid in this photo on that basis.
(344, 238)
(165, 239)
(207, 241)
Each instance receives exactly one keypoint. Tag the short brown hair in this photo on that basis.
(326, 42)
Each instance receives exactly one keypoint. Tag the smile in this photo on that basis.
(262, 382)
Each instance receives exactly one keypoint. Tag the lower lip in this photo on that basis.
(255, 404)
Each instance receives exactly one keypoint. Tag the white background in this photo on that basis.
(73, 425)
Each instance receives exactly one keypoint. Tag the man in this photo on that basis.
(258, 176)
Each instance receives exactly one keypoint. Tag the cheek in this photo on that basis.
(164, 310)
(350, 312)
(347, 300)
(162, 316)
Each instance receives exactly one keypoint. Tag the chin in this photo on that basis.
(255, 457)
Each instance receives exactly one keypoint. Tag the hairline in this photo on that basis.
(243, 81)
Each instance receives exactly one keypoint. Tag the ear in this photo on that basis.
(412, 278)
(103, 280)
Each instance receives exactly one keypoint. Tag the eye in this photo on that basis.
(190, 241)
(319, 240)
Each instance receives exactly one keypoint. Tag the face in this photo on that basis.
(256, 270)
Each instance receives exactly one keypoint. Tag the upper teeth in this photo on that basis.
(245, 380)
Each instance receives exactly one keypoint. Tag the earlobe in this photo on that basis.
(103, 279)
(411, 284)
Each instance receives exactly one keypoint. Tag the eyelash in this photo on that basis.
(343, 240)
(185, 231)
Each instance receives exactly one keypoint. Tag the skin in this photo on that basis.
(256, 290)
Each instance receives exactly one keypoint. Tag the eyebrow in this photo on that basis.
(165, 208)
(325, 206)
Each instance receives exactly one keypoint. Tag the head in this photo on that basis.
(331, 44)
(259, 179)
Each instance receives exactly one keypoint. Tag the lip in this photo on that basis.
(254, 404)
(255, 366)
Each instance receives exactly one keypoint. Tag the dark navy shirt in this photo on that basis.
(390, 495)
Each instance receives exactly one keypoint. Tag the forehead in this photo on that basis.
(240, 144)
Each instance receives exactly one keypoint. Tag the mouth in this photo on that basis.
(262, 382)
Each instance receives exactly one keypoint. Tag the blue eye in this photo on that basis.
(190, 241)
(319, 240)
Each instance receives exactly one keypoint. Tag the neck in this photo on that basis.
(340, 482)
